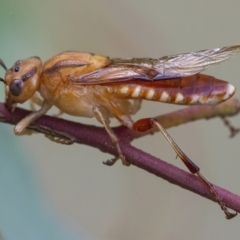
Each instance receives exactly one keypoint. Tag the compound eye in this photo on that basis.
(15, 87)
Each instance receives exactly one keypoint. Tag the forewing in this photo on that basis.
(187, 64)
(148, 69)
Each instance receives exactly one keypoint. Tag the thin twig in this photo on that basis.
(226, 109)
(97, 137)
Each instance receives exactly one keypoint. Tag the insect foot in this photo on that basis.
(18, 129)
(110, 162)
(26, 132)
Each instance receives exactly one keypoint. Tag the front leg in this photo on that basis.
(25, 122)
(35, 100)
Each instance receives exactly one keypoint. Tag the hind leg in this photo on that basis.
(143, 125)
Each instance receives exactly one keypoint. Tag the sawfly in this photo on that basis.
(89, 85)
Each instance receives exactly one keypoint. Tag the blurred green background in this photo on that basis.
(51, 191)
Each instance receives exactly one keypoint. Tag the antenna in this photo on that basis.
(3, 64)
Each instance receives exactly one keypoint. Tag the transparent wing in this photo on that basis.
(194, 62)
(148, 69)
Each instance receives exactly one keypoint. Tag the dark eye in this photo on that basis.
(16, 69)
(15, 87)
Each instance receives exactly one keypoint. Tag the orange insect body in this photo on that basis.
(53, 81)
(89, 85)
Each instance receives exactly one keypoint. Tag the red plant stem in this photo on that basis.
(97, 137)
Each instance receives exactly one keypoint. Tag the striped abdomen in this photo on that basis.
(196, 89)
